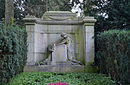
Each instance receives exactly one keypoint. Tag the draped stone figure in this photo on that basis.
(60, 51)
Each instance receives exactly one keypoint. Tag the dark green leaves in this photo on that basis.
(13, 52)
(42, 78)
(113, 54)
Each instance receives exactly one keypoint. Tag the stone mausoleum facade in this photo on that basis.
(69, 37)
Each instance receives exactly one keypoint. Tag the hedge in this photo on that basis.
(113, 54)
(13, 52)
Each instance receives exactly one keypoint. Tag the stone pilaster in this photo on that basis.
(89, 23)
(30, 27)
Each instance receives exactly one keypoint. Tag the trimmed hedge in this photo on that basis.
(13, 52)
(43, 78)
(113, 54)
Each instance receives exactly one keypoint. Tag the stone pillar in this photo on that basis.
(89, 39)
(30, 26)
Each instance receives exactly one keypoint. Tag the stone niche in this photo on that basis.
(69, 37)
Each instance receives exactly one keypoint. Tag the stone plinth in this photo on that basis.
(47, 30)
(59, 54)
(55, 68)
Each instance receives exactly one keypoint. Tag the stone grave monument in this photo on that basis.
(59, 42)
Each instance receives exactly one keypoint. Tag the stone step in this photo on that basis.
(55, 68)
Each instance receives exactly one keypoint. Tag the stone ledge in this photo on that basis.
(60, 18)
(56, 13)
(55, 68)
(89, 19)
(32, 21)
(54, 22)
(59, 15)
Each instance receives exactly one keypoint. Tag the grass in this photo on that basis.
(42, 78)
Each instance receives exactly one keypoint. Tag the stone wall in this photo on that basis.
(47, 30)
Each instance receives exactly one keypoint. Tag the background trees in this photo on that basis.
(111, 14)
(2, 9)
(9, 11)
(18, 9)
(58, 5)
(35, 7)
(38, 7)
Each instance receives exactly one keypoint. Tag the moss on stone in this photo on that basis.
(80, 47)
(90, 68)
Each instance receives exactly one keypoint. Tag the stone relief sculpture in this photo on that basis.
(65, 40)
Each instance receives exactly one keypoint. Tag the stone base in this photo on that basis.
(55, 68)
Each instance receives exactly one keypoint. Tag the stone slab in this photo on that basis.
(59, 54)
(54, 68)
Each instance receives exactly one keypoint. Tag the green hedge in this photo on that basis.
(42, 78)
(113, 54)
(13, 52)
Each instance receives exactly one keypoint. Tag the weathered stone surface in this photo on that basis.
(30, 58)
(89, 47)
(30, 28)
(55, 68)
(47, 31)
(59, 15)
(89, 43)
(59, 54)
(39, 56)
(31, 47)
(89, 29)
(30, 41)
(89, 19)
(40, 42)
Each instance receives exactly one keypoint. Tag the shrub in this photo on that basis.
(13, 50)
(42, 78)
(113, 54)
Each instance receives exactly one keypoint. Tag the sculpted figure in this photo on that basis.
(65, 39)
(51, 48)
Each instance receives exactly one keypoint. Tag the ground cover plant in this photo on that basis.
(42, 78)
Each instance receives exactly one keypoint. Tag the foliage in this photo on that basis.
(9, 12)
(87, 7)
(13, 50)
(58, 5)
(19, 12)
(111, 14)
(59, 83)
(42, 78)
(35, 7)
(91, 68)
(114, 54)
(2, 9)
(39, 7)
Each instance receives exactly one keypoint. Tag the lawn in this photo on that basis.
(42, 78)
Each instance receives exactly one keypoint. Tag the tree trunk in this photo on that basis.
(9, 12)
